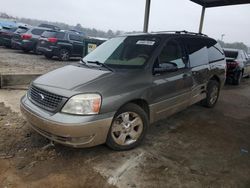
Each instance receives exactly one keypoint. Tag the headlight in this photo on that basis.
(83, 104)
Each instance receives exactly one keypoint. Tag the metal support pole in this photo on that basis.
(202, 19)
(146, 16)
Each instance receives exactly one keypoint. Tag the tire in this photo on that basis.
(26, 51)
(119, 136)
(213, 92)
(48, 56)
(237, 81)
(36, 51)
(64, 55)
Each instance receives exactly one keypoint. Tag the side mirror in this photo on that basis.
(165, 67)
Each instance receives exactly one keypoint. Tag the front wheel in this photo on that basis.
(213, 91)
(128, 128)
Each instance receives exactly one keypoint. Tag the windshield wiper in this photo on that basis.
(100, 64)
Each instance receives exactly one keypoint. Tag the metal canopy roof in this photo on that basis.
(204, 3)
(217, 3)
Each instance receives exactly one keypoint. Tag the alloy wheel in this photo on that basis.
(127, 128)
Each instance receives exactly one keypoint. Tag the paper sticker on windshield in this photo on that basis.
(145, 42)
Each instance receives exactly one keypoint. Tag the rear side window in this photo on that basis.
(60, 35)
(37, 31)
(197, 51)
(53, 34)
(172, 53)
(49, 34)
(75, 38)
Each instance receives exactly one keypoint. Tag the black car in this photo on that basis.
(6, 34)
(28, 40)
(238, 65)
(65, 44)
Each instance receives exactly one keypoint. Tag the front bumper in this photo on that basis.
(70, 130)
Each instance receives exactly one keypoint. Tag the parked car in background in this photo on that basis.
(238, 65)
(49, 26)
(28, 40)
(65, 44)
(6, 34)
(124, 85)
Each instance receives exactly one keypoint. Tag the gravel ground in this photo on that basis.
(15, 61)
(198, 147)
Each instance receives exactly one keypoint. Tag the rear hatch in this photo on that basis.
(231, 58)
(7, 33)
(18, 35)
(50, 38)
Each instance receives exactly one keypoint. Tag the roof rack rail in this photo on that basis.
(181, 32)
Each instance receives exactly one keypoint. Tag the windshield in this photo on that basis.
(124, 52)
(22, 30)
(231, 54)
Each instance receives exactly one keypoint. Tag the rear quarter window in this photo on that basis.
(75, 38)
(215, 52)
(37, 31)
(197, 51)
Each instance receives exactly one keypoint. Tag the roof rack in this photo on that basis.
(181, 32)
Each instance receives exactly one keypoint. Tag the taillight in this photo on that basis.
(26, 36)
(232, 64)
(52, 40)
(4, 33)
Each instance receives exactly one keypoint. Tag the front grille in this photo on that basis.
(45, 99)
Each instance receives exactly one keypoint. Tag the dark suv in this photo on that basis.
(6, 33)
(27, 41)
(238, 65)
(66, 44)
(124, 85)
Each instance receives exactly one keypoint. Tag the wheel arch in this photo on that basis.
(216, 78)
(141, 103)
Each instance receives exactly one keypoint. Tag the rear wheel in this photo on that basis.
(128, 128)
(26, 50)
(64, 55)
(238, 78)
(213, 91)
(36, 51)
(48, 56)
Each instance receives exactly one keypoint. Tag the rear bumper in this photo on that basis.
(22, 44)
(6, 42)
(48, 51)
(28, 45)
(16, 44)
(232, 73)
(70, 130)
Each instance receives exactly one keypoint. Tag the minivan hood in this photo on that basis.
(70, 77)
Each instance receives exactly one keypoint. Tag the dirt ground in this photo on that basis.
(197, 147)
(15, 61)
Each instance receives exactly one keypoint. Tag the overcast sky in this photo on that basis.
(127, 15)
